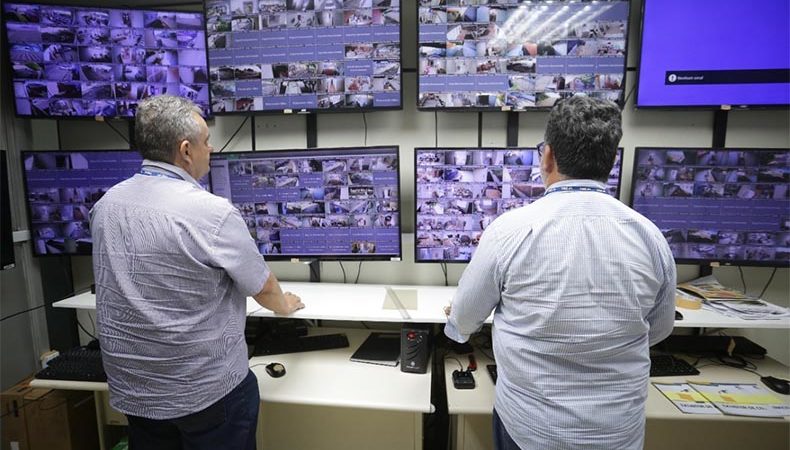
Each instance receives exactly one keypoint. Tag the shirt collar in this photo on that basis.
(172, 168)
(578, 182)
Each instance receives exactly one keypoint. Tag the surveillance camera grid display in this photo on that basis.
(61, 188)
(87, 62)
(719, 205)
(461, 191)
(519, 55)
(322, 203)
(277, 55)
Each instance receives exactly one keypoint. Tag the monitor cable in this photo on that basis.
(365, 121)
(241, 125)
(768, 283)
(444, 271)
(344, 271)
(743, 280)
(118, 132)
(435, 128)
(359, 270)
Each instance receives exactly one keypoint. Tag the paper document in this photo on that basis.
(741, 399)
(686, 399)
(749, 309)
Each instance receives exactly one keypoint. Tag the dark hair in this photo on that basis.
(583, 133)
(162, 122)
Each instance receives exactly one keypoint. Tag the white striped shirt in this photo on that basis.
(173, 266)
(580, 286)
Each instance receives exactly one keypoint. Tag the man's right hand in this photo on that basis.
(292, 304)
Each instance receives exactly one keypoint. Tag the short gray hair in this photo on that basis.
(583, 133)
(161, 123)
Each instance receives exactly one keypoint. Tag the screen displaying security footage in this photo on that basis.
(304, 55)
(71, 61)
(518, 54)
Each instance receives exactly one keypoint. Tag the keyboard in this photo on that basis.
(77, 364)
(492, 371)
(669, 366)
(266, 347)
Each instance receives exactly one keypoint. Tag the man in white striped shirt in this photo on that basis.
(580, 286)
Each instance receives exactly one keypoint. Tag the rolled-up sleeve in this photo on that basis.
(235, 251)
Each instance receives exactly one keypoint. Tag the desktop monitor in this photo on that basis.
(461, 190)
(511, 55)
(304, 55)
(714, 53)
(7, 258)
(62, 186)
(326, 204)
(717, 206)
(77, 61)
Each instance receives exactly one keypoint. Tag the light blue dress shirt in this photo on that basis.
(580, 286)
(173, 266)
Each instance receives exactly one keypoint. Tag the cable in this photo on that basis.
(246, 119)
(633, 88)
(768, 283)
(22, 312)
(456, 360)
(79, 324)
(117, 132)
(743, 280)
(93, 325)
(344, 271)
(436, 128)
(359, 269)
(365, 121)
(444, 270)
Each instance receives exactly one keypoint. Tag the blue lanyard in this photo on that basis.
(149, 173)
(575, 189)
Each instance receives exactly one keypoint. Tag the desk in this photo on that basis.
(667, 427)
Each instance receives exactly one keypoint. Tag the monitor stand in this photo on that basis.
(315, 271)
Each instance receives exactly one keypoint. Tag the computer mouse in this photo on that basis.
(678, 315)
(275, 370)
(777, 385)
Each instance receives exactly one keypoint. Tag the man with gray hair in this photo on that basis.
(580, 286)
(173, 265)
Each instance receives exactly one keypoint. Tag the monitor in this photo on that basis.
(511, 55)
(62, 186)
(717, 206)
(461, 190)
(714, 53)
(75, 61)
(325, 204)
(304, 55)
(7, 258)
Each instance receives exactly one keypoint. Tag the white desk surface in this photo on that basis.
(364, 302)
(325, 377)
(481, 399)
(329, 378)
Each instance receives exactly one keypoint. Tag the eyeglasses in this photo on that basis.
(540, 148)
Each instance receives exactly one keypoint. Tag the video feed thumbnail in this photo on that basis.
(62, 187)
(717, 205)
(316, 203)
(69, 61)
(460, 191)
(511, 55)
(302, 55)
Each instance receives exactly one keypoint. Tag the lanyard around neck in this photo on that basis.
(156, 172)
(575, 189)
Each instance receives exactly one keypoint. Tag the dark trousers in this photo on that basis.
(502, 440)
(230, 424)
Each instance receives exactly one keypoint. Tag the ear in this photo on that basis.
(185, 151)
(547, 163)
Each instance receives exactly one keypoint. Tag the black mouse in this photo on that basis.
(777, 385)
(678, 315)
(275, 370)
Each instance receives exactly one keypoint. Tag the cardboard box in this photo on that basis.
(48, 419)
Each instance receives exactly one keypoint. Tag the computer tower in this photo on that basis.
(415, 347)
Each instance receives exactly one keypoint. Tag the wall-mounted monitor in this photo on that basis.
(62, 186)
(724, 206)
(511, 55)
(304, 55)
(461, 190)
(326, 204)
(714, 53)
(73, 61)
(7, 258)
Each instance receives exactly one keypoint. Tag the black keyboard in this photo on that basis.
(281, 345)
(492, 371)
(669, 366)
(77, 364)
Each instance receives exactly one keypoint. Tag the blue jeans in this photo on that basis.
(502, 440)
(230, 424)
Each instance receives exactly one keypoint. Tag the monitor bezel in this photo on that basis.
(702, 262)
(8, 252)
(620, 102)
(328, 258)
(638, 84)
(9, 72)
(302, 111)
(22, 156)
(456, 261)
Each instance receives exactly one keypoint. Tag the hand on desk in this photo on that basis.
(292, 303)
(447, 310)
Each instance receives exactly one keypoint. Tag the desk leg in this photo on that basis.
(97, 400)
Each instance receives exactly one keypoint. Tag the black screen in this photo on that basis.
(6, 233)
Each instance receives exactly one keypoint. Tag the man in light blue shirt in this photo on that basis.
(580, 286)
(173, 266)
